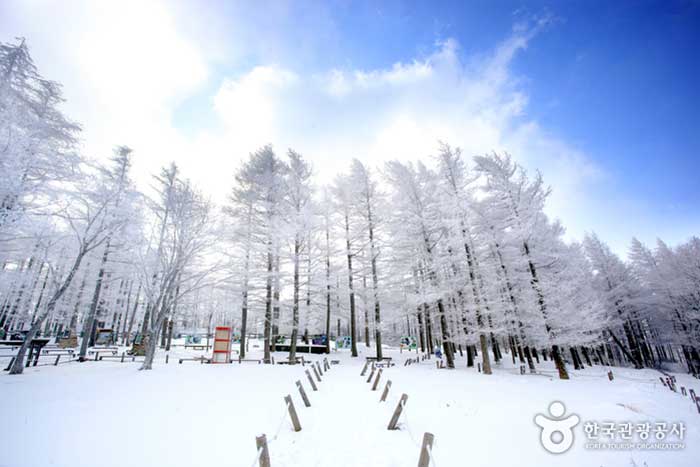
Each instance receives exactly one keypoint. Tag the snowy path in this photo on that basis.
(346, 425)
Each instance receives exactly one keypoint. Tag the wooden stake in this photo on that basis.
(292, 413)
(610, 375)
(424, 459)
(311, 381)
(318, 365)
(376, 380)
(364, 369)
(386, 391)
(397, 413)
(303, 394)
(371, 374)
(261, 445)
(318, 377)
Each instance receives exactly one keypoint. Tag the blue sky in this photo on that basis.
(599, 95)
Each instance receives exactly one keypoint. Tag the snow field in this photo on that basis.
(110, 414)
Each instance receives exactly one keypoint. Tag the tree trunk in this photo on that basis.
(133, 316)
(328, 293)
(421, 331)
(295, 305)
(17, 366)
(446, 343)
(637, 364)
(535, 283)
(528, 356)
(559, 362)
(267, 329)
(152, 344)
(375, 284)
(485, 362)
(353, 330)
(92, 312)
(276, 304)
(244, 322)
(428, 328)
(364, 309)
(577, 366)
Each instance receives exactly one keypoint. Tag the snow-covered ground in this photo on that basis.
(111, 414)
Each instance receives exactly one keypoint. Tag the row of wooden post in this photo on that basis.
(670, 383)
(261, 441)
(428, 438)
(418, 359)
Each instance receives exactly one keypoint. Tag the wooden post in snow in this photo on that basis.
(318, 377)
(364, 369)
(425, 450)
(318, 365)
(371, 374)
(397, 413)
(376, 380)
(264, 456)
(311, 381)
(303, 394)
(610, 375)
(386, 391)
(292, 413)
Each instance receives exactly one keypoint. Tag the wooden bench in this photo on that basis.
(123, 357)
(196, 359)
(197, 346)
(57, 351)
(241, 360)
(380, 362)
(112, 350)
(297, 359)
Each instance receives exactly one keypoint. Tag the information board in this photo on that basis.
(222, 345)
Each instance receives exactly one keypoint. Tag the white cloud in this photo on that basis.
(127, 65)
(124, 67)
(400, 112)
(249, 106)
